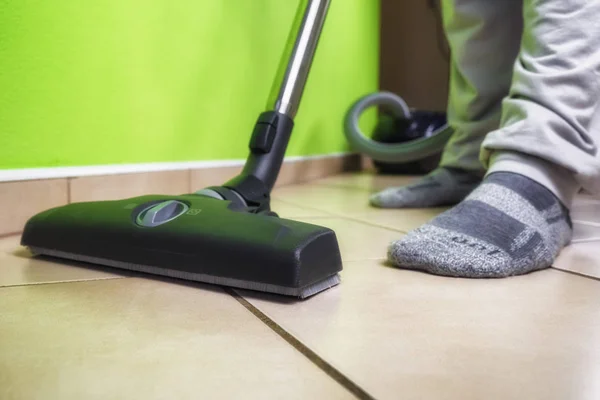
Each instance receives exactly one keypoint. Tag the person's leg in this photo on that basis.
(517, 221)
(484, 38)
(551, 119)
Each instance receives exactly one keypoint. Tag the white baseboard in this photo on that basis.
(24, 174)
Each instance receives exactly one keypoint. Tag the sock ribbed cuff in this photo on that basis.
(558, 180)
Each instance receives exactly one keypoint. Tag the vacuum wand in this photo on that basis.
(297, 57)
(272, 131)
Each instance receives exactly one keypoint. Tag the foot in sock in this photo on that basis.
(509, 225)
(442, 187)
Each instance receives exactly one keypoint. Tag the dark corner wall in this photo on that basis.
(414, 53)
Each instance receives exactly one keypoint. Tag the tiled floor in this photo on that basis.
(69, 332)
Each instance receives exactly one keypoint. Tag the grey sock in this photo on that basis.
(442, 187)
(509, 225)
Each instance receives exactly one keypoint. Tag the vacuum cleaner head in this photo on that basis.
(223, 235)
(192, 237)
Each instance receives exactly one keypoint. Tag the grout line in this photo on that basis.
(586, 240)
(309, 217)
(9, 234)
(343, 216)
(588, 223)
(308, 353)
(566, 271)
(363, 189)
(336, 215)
(372, 224)
(343, 186)
(58, 282)
(375, 225)
(292, 203)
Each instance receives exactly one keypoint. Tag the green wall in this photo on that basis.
(135, 81)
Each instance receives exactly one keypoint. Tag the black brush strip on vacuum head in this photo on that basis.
(300, 292)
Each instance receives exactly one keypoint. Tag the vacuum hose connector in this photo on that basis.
(413, 150)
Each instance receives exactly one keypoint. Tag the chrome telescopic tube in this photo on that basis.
(298, 56)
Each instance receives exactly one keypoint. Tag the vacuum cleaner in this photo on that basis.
(404, 141)
(225, 235)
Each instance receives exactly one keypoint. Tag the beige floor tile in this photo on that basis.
(582, 258)
(352, 202)
(586, 209)
(403, 334)
(115, 187)
(19, 201)
(586, 232)
(367, 181)
(142, 339)
(9, 244)
(584, 198)
(288, 210)
(308, 170)
(338, 200)
(18, 267)
(357, 241)
(401, 220)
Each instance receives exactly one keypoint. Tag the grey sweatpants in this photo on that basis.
(525, 90)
